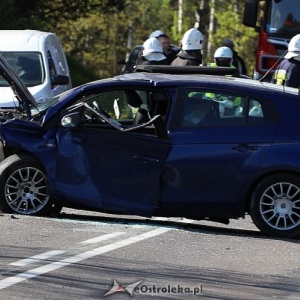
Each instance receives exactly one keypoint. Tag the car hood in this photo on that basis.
(21, 92)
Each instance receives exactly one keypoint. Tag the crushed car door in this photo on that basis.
(111, 170)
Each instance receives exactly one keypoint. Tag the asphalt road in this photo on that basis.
(84, 255)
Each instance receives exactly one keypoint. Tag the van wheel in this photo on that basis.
(23, 186)
(275, 206)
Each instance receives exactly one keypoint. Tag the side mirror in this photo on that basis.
(60, 80)
(71, 120)
(250, 13)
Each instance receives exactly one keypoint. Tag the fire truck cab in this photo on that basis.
(276, 21)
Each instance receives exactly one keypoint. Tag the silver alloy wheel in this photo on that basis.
(280, 206)
(26, 191)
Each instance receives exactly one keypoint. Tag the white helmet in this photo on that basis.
(224, 52)
(294, 47)
(152, 45)
(153, 49)
(156, 34)
(192, 40)
(223, 56)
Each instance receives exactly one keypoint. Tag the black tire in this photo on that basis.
(275, 206)
(23, 186)
(55, 210)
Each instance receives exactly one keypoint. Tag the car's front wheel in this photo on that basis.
(275, 206)
(23, 186)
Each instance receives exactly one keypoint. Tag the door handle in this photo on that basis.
(245, 148)
(146, 159)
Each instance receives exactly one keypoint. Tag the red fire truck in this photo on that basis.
(276, 21)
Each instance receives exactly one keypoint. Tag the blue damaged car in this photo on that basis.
(204, 147)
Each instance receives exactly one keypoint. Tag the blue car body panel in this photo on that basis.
(115, 172)
(212, 166)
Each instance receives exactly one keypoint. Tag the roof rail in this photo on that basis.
(207, 70)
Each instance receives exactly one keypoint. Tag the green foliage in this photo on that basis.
(97, 34)
(229, 24)
(80, 74)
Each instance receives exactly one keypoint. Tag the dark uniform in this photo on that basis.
(171, 55)
(188, 58)
(237, 60)
(288, 73)
(239, 63)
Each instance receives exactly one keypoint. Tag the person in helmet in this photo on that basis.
(223, 58)
(288, 71)
(237, 60)
(170, 51)
(156, 34)
(153, 53)
(190, 54)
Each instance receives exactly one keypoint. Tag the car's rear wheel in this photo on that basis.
(275, 206)
(23, 186)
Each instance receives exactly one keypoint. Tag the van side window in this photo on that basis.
(52, 70)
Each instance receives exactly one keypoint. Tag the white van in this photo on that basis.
(39, 60)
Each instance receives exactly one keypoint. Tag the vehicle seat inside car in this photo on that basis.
(141, 116)
(134, 100)
(205, 112)
(158, 104)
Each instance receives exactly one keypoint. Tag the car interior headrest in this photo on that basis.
(133, 98)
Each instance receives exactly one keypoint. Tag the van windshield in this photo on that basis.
(27, 65)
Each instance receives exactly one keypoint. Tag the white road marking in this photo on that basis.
(102, 238)
(184, 220)
(46, 255)
(35, 258)
(7, 282)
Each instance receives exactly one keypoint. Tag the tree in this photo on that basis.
(228, 18)
(100, 33)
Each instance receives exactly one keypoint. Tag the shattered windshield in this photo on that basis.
(283, 18)
(41, 107)
(27, 65)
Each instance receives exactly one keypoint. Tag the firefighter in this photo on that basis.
(156, 34)
(288, 71)
(190, 54)
(170, 51)
(223, 58)
(237, 60)
(153, 53)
